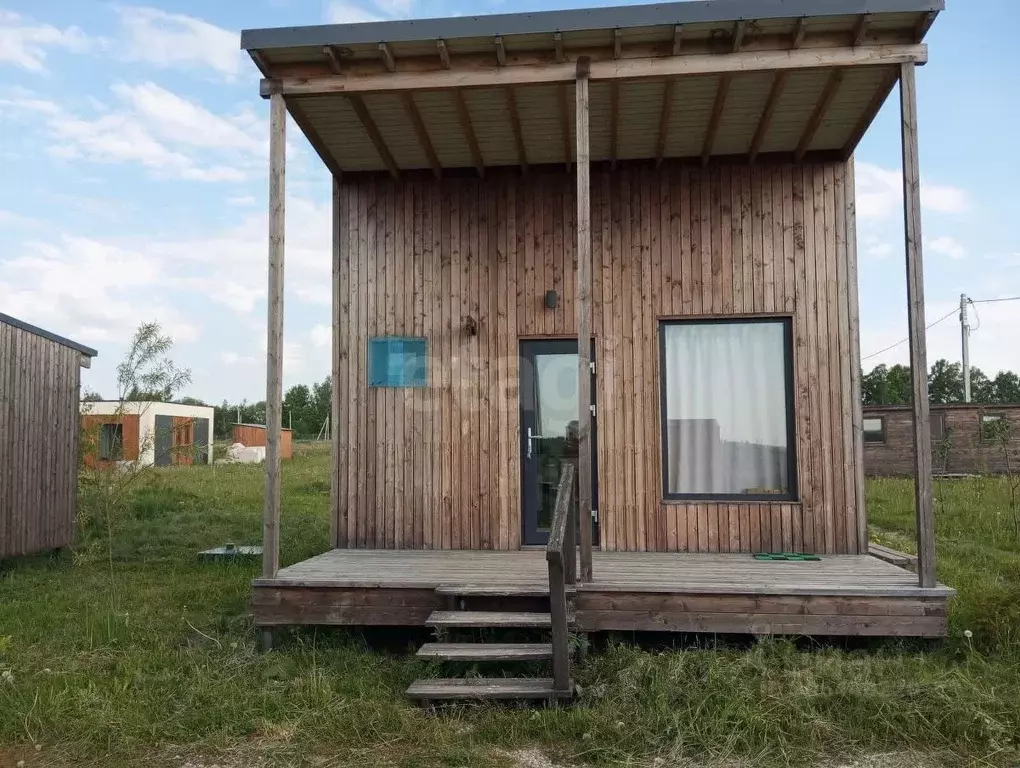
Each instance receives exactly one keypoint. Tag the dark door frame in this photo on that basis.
(528, 349)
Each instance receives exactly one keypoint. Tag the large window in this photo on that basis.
(727, 409)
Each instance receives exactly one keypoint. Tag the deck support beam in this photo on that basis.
(916, 325)
(584, 314)
(274, 351)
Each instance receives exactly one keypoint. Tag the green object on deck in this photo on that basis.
(796, 557)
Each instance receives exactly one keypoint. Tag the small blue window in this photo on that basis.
(397, 361)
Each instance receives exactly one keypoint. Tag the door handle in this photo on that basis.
(532, 436)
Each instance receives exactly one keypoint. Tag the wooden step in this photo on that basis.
(487, 688)
(486, 651)
(488, 619)
(491, 590)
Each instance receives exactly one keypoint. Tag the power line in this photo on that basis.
(904, 341)
(992, 301)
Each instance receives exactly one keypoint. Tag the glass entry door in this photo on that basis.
(549, 401)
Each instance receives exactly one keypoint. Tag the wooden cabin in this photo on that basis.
(40, 376)
(620, 241)
(148, 433)
(966, 439)
(254, 436)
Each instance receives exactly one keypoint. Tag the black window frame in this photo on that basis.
(793, 495)
(880, 440)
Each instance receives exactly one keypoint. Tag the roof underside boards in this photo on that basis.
(804, 110)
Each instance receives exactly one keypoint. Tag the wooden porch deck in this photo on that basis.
(676, 592)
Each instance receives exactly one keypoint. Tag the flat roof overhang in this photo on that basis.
(792, 79)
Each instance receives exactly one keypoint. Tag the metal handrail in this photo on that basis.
(561, 555)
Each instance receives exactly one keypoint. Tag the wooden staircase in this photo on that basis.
(561, 557)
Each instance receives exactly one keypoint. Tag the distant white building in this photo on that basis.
(150, 433)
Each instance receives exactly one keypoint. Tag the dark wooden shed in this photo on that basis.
(39, 383)
(966, 439)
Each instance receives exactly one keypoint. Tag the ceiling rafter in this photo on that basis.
(614, 107)
(869, 114)
(464, 116)
(828, 94)
(778, 83)
(444, 54)
(373, 133)
(568, 153)
(737, 38)
(421, 132)
(561, 55)
(388, 58)
(678, 34)
(860, 29)
(667, 110)
(798, 33)
(333, 57)
(923, 25)
(717, 112)
(515, 125)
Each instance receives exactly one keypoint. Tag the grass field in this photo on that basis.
(136, 654)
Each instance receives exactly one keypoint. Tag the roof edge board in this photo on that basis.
(43, 333)
(703, 11)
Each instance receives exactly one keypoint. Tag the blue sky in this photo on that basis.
(133, 185)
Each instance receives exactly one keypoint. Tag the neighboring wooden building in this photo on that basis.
(150, 433)
(254, 436)
(40, 376)
(965, 439)
(621, 237)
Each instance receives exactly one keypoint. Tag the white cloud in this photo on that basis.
(947, 246)
(178, 120)
(396, 8)
(119, 138)
(176, 40)
(24, 44)
(350, 13)
(98, 290)
(877, 249)
(165, 133)
(880, 194)
(321, 336)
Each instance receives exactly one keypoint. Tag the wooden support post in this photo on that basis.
(916, 327)
(274, 351)
(584, 495)
(338, 511)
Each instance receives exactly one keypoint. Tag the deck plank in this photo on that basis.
(723, 573)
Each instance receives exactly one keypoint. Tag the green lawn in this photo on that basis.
(139, 655)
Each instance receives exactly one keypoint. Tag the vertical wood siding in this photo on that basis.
(466, 262)
(38, 442)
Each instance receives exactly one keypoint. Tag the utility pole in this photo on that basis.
(965, 339)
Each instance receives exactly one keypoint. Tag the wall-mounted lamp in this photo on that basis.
(551, 299)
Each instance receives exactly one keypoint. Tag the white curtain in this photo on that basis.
(726, 408)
